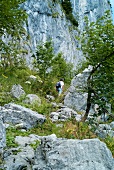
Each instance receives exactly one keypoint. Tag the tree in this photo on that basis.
(98, 48)
(12, 18)
(61, 69)
(50, 67)
(43, 59)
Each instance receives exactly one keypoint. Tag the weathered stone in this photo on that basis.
(16, 114)
(22, 160)
(112, 124)
(2, 137)
(64, 114)
(32, 99)
(45, 18)
(27, 140)
(50, 98)
(70, 154)
(76, 98)
(104, 130)
(17, 91)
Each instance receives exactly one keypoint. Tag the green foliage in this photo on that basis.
(69, 129)
(80, 67)
(77, 130)
(110, 143)
(98, 48)
(55, 15)
(50, 68)
(11, 133)
(62, 69)
(35, 144)
(67, 6)
(45, 108)
(11, 28)
(12, 16)
(43, 59)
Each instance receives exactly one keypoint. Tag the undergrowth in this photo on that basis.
(71, 129)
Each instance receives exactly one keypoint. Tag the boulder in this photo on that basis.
(17, 114)
(32, 99)
(64, 113)
(70, 154)
(17, 91)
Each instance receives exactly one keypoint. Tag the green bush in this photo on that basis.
(110, 143)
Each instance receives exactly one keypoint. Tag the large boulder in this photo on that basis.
(76, 98)
(16, 114)
(71, 154)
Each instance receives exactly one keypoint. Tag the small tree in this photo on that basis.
(61, 69)
(43, 59)
(98, 48)
(50, 67)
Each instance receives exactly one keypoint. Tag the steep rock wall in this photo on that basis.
(47, 20)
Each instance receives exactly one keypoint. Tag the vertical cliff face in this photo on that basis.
(47, 20)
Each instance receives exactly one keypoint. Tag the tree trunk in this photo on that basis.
(88, 105)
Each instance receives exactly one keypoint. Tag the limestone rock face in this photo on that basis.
(47, 20)
(64, 154)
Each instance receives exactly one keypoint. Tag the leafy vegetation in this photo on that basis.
(98, 48)
(110, 143)
(11, 28)
(50, 68)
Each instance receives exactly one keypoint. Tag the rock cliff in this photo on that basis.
(47, 20)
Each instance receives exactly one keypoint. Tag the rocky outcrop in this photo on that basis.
(64, 113)
(58, 154)
(47, 20)
(52, 152)
(76, 98)
(20, 116)
(70, 154)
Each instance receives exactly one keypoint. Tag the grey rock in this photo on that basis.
(76, 98)
(112, 124)
(16, 114)
(45, 18)
(63, 114)
(17, 91)
(23, 141)
(22, 160)
(32, 99)
(70, 154)
(2, 137)
(50, 98)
